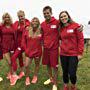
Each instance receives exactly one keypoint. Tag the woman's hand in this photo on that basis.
(80, 57)
(80, 28)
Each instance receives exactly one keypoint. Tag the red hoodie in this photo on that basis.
(19, 28)
(1, 53)
(72, 41)
(31, 45)
(8, 38)
(50, 34)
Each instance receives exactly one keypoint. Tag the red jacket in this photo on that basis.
(1, 53)
(31, 45)
(8, 38)
(19, 28)
(72, 41)
(50, 34)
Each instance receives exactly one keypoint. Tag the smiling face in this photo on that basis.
(35, 23)
(64, 18)
(47, 14)
(21, 16)
(6, 18)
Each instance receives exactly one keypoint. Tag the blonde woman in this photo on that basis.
(8, 39)
(33, 49)
(19, 26)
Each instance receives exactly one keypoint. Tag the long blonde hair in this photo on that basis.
(4, 15)
(30, 28)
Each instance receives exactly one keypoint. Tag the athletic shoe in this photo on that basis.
(34, 80)
(54, 87)
(73, 88)
(13, 79)
(47, 82)
(27, 82)
(21, 75)
(1, 79)
(65, 88)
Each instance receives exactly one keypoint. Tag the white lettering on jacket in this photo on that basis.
(53, 26)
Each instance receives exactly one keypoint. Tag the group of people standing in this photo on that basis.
(42, 42)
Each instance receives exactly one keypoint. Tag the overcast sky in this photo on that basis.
(78, 9)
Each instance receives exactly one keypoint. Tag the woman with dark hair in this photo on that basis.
(32, 44)
(71, 48)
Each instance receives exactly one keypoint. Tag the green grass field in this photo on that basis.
(83, 74)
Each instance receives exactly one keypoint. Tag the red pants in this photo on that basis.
(17, 54)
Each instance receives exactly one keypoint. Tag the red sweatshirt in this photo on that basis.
(8, 38)
(72, 41)
(50, 34)
(32, 45)
(1, 53)
(19, 28)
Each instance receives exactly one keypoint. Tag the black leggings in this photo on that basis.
(69, 66)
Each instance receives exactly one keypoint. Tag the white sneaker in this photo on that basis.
(1, 79)
(54, 87)
(47, 82)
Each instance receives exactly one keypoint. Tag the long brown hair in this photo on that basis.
(69, 20)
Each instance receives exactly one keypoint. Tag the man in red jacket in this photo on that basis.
(50, 43)
(20, 28)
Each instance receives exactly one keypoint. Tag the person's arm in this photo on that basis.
(80, 41)
(42, 33)
(59, 36)
(24, 40)
(80, 29)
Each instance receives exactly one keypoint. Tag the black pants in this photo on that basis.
(69, 66)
